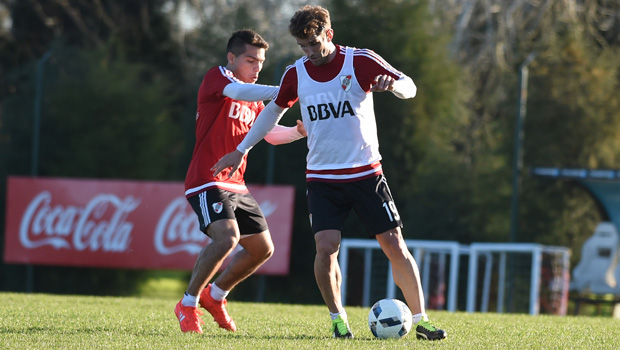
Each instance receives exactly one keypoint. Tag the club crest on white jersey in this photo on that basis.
(345, 82)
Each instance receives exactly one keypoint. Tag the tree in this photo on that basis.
(575, 123)
(572, 109)
(111, 103)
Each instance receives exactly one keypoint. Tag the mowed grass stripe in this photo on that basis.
(41, 321)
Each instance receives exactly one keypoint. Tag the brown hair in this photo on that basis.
(236, 43)
(309, 21)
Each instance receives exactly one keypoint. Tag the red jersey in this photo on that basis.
(221, 124)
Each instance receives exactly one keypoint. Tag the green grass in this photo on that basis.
(41, 321)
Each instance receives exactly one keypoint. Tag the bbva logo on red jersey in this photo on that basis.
(242, 112)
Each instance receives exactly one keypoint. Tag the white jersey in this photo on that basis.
(339, 119)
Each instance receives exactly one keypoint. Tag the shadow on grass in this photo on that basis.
(51, 329)
(280, 337)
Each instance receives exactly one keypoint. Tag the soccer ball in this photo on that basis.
(389, 318)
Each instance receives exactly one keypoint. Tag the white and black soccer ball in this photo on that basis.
(389, 318)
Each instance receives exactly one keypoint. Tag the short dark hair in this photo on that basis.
(238, 40)
(309, 21)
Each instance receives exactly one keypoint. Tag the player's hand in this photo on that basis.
(300, 128)
(382, 82)
(232, 159)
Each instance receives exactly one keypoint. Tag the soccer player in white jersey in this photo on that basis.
(334, 86)
(226, 211)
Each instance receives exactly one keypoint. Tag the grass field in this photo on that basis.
(41, 321)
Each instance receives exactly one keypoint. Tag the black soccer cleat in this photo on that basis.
(427, 331)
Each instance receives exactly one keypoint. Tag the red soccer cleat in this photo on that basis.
(217, 308)
(189, 318)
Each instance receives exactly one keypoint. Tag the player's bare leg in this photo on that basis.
(257, 249)
(326, 268)
(329, 279)
(407, 277)
(404, 268)
(224, 238)
(225, 235)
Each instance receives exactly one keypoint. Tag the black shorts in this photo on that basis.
(329, 205)
(216, 204)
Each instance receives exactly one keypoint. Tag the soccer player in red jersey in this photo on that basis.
(334, 86)
(228, 104)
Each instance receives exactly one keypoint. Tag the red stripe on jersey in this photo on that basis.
(355, 170)
(345, 175)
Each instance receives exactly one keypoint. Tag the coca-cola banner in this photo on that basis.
(123, 224)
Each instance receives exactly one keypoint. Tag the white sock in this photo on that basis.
(419, 317)
(341, 313)
(189, 300)
(217, 293)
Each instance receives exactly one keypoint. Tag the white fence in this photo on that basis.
(424, 252)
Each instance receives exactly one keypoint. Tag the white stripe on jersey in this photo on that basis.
(228, 74)
(222, 185)
(375, 57)
(204, 209)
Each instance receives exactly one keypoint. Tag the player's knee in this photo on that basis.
(271, 247)
(395, 251)
(327, 242)
(260, 247)
(326, 248)
(226, 241)
(267, 249)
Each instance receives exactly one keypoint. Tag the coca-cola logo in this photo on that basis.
(98, 226)
(178, 230)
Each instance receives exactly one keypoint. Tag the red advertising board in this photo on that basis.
(123, 224)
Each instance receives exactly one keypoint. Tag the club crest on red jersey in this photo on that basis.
(229, 73)
(345, 82)
(217, 207)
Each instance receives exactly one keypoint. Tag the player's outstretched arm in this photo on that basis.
(401, 88)
(250, 92)
(264, 123)
(281, 134)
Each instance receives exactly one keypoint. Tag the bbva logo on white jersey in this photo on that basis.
(323, 111)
